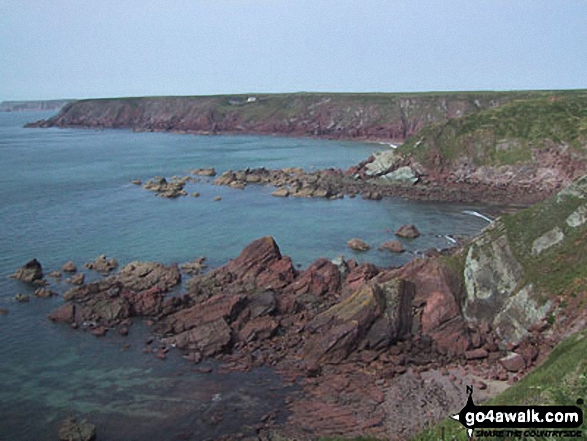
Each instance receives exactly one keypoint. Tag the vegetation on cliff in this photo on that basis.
(391, 117)
(506, 134)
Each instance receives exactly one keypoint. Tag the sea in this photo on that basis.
(65, 194)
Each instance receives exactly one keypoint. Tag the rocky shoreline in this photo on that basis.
(354, 337)
(355, 182)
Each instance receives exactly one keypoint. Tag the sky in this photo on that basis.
(105, 48)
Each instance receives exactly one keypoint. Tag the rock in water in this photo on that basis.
(30, 272)
(69, 267)
(78, 279)
(408, 231)
(393, 246)
(102, 264)
(71, 430)
(358, 244)
(204, 172)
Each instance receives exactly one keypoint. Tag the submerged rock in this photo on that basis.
(408, 231)
(71, 430)
(78, 279)
(393, 246)
(22, 298)
(102, 264)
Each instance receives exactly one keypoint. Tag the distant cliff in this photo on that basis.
(383, 117)
(32, 106)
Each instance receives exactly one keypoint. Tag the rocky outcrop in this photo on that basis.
(102, 264)
(137, 291)
(358, 244)
(30, 272)
(408, 232)
(165, 189)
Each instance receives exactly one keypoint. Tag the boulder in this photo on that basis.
(102, 264)
(513, 362)
(30, 272)
(403, 175)
(408, 232)
(71, 430)
(78, 279)
(393, 246)
(209, 338)
(281, 192)
(358, 245)
(69, 267)
(336, 332)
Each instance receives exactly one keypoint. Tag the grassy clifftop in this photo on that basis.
(508, 134)
(384, 117)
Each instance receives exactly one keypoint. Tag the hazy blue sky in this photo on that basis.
(101, 48)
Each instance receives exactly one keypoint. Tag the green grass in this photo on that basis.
(506, 134)
(561, 269)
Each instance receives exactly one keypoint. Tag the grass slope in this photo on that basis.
(506, 134)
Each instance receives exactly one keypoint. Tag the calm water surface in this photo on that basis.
(65, 195)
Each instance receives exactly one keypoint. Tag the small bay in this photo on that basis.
(65, 194)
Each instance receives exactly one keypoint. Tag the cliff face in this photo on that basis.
(529, 265)
(385, 117)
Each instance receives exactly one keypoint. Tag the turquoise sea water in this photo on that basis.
(65, 195)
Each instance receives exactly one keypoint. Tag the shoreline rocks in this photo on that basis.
(408, 232)
(357, 244)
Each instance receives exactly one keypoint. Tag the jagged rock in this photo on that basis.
(408, 231)
(54, 274)
(403, 175)
(44, 293)
(382, 163)
(141, 276)
(393, 246)
(513, 362)
(358, 245)
(260, 328)
(209, 338)
(339, 330)
(194, 267)
(476, 354)
(71, 430)
(78, 279)
(195, 194)
(69, 267)
(102, 264)
(281, 192)
(30, 272)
